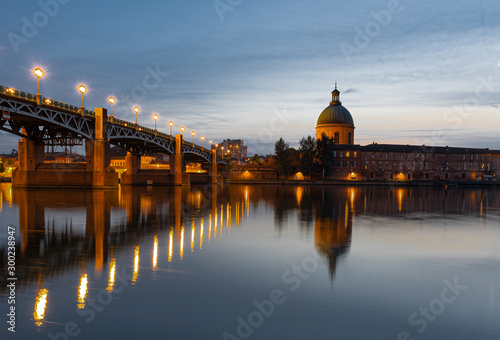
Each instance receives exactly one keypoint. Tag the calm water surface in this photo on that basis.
(253, 262)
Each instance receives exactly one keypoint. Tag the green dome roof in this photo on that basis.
(335, 114)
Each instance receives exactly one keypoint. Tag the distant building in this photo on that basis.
(234, 149)
(394, 162)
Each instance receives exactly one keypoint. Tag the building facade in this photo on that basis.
(234, 149)
(393, 162)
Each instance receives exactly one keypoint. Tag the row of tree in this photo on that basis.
(312, 157)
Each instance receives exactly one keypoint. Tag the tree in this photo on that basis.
(280, 148)
(324, 154)
(255, 159)
(306, 149)
(286, 158)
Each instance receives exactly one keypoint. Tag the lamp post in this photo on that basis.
(171, 123)
(38, 72)
(136, 110)
(155, 117)
(82, 90)
(111, 101)
(193, 134)
(202, 139)
(222, 151)
(182, 131)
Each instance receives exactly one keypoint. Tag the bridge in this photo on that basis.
(43, 121)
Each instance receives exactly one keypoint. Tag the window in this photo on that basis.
(387, 165)
(347, 154)
(336, 138)
(355, 154)
(391, 176)
(349, 138)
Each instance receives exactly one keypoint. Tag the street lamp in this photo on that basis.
(171, 125)
(136, 110)
(38, 72)
(155, 117)
(182, 131)
(111, 101)
(82, 90)
(193, 134)
(202, 139)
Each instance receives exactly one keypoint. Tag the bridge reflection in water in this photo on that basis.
(86, 230)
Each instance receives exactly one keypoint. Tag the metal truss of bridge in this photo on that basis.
(54, 120)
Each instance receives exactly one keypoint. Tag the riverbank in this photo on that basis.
(363, 183)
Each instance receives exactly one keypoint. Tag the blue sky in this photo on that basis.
(412, 72)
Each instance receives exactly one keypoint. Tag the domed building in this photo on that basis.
(395, 162)
(336, 122)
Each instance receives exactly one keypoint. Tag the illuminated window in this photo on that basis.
(347, 154)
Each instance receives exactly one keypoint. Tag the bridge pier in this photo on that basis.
(177, 164)
(212, 170)
(32, 172)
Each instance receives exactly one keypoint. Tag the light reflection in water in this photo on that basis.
(228, 218)
(215, 224)
(136, 265)
(112, 273)
(181, 250)
(193, 229)
(209, 227)
(201, 233)
(155, 252)
(170, 245)
(40, 306)
(299, 193)
(82, 291)
(221, 218)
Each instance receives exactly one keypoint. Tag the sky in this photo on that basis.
(410, 72)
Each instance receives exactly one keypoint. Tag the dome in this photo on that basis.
(335, 114)
(336, 122)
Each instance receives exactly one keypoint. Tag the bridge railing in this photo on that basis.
(10, 91)
(46, 101)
